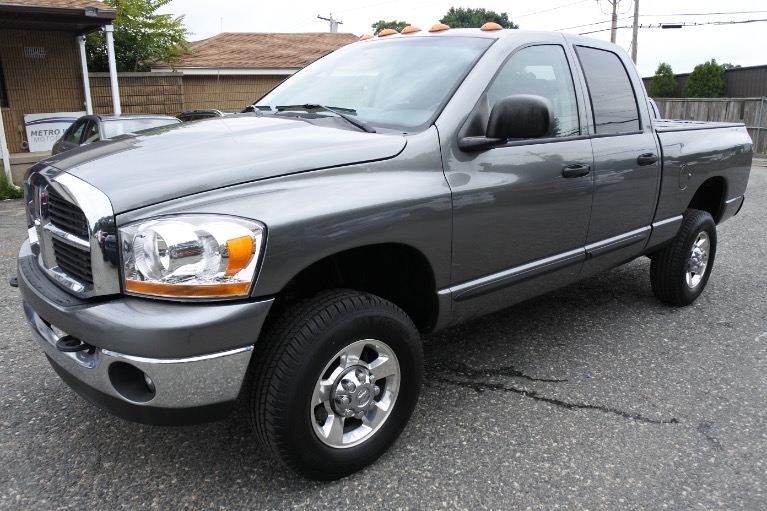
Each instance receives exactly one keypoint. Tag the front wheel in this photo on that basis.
(335, 380)
(680, 271)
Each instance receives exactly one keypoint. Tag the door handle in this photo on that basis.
(576, 170)
(647, 159)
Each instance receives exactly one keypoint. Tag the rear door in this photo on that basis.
(626, 160)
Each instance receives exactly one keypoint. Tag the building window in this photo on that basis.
(3, 93)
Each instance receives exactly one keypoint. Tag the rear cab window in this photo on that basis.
(613, 100)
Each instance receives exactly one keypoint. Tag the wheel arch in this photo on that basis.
(710, 196)
(396, 272)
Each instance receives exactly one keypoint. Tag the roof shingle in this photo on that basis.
(262, 50)
(64, 4)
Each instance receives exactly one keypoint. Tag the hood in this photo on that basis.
(183, 159)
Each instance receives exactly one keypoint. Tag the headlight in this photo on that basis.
(191, 256)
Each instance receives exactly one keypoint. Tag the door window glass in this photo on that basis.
(75, 133)
(612, 97)
(542, 71)
(91, 133)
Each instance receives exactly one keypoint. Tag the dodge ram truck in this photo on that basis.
(288, 260)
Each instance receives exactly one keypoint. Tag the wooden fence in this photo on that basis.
(750, 111)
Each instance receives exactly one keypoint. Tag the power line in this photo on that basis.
(679, 25)
(552, 9)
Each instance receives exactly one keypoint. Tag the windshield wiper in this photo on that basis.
(335, 110)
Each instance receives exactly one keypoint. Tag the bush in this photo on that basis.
(706, 81)
(663, 84)
(6, 190)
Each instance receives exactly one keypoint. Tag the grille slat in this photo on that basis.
(67, 216)
(74, 261)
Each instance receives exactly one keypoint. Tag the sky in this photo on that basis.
(714, 36)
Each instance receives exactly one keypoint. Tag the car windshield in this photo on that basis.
(115, 127)
(395, 83)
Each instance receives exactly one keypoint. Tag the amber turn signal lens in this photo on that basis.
(240, 252)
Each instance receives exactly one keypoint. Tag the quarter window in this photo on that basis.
(542, 71)
(613, 101)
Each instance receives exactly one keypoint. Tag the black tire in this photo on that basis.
(301, 351)
(676, 272)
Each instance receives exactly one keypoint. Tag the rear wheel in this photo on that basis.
(335, 381)
(680, 271)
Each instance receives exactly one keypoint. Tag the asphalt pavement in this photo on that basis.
(596, 396)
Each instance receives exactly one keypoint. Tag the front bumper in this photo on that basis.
(152, 362)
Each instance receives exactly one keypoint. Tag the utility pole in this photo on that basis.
(636, 29)
(332, 22)
(614, 27)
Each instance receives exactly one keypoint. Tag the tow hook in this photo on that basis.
(69, 344)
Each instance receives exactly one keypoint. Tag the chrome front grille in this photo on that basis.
(67, 216)
(70, 221)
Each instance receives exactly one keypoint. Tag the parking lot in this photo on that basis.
(596, 396)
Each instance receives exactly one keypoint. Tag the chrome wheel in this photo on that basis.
(698, 260)
(355, 393)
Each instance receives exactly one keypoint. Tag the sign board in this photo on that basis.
(34, 52)
(43, 130)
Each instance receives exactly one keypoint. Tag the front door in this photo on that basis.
(520, 212)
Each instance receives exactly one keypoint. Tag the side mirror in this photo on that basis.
(517, 116)
(521, 116)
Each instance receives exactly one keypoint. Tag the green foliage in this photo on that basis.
(727, 65)
(663, 84)
(141, 37)
(382, 25)
(474, 18)
(6, 190)
(706, 81)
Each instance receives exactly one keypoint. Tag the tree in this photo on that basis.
(663, 84)
(141, 37)
(474, 18)
(380, 25)
(706, 81)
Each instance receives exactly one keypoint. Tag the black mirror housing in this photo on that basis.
(521, 116)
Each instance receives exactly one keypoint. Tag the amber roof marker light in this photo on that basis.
(410, 29)
(490, 25)
(439, 27)
(387, 31)
(366, 37)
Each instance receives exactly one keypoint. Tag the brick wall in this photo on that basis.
(227, 93)
(38, 85)
(140, 93)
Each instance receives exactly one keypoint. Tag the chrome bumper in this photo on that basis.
(178, 383)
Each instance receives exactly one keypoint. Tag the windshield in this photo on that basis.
(113, 128)
(397, 83)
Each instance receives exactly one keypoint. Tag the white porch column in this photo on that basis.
(109, 29)
(5, 155)
(86, 80)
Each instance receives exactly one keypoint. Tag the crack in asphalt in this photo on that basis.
(481, 386)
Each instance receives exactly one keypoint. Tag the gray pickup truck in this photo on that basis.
(288, 260)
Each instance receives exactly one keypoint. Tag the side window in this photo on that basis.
(91, 133)
(76, 131)
(543, 71)
(612, 97)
